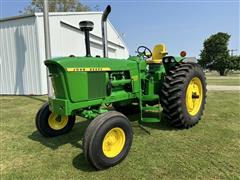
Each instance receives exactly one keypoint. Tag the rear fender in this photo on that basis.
(171, 61)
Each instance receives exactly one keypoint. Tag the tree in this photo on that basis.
(234, 63)
(55, 6)
(215, 53)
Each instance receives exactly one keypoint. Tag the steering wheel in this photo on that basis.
(144, 51)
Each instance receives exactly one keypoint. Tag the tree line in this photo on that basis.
(215, 54)
(56, 6)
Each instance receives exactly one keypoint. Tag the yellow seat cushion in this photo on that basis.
(159, 51)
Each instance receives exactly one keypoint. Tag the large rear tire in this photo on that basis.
(50, 124)
(183, 95)
(107, 140)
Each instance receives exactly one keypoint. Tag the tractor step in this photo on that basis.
(150, 97)
(150, 120)
(150, 108)
(147, 114)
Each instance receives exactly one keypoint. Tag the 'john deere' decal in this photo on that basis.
(88, 69)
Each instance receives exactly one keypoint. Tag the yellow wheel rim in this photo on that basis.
(113, 142)
(57, 122)
(194, 96)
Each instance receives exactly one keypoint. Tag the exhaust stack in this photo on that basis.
(105, 14)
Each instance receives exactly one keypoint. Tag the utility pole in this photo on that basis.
(232, 50)
(47, 43)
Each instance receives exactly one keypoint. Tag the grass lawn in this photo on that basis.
(229, 74)
(210, 150)
(227, 82)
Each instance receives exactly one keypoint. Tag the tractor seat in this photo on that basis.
(159, 51)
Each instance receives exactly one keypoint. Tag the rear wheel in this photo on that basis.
(107, 140)
(50, 124)
(183, 95)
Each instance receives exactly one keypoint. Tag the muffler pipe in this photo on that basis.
(105, 14)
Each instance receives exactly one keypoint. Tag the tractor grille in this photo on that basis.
(96, 85)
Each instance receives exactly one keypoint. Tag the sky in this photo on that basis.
(180, 24)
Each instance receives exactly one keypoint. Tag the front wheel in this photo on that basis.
(107, 140)
(183, 95)
(50, 124)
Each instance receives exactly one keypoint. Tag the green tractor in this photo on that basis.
(152, 81)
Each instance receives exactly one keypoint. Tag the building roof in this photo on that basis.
(39, 14)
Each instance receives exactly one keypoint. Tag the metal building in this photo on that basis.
(22, 52)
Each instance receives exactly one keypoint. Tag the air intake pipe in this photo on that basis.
(86, 27)
(105, 14)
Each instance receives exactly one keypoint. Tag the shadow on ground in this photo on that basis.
(38, 98)
(162, 125)
(80, 162)
(73, 137)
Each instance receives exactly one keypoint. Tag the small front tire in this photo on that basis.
(107, 140)
(50, 124)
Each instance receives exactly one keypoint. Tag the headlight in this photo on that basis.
(166, 60)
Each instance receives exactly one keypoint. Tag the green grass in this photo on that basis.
(227, 82)
(210, 150)
(229, 74)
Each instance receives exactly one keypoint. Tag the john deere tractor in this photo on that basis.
(152, 81)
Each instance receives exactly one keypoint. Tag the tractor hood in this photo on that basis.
(70, 64)
(80, 79)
